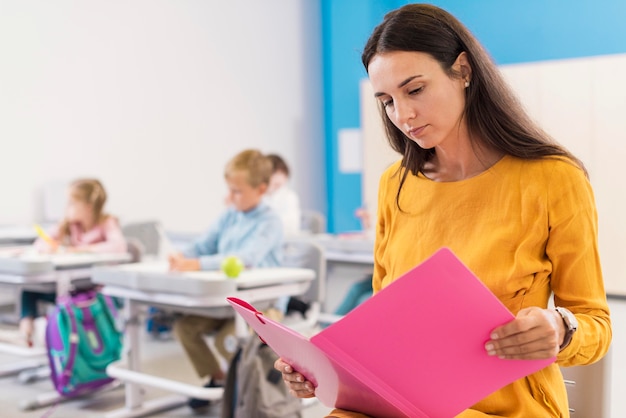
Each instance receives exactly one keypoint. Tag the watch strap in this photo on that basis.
(571, 325)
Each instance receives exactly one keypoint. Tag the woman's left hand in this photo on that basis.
(535, 333)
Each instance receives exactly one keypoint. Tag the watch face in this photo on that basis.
(570, 319)
(571, 324)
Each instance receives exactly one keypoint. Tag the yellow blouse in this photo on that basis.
(527, 229)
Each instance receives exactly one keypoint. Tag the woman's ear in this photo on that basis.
(462, 66)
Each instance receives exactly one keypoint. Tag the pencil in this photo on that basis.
(42, 234)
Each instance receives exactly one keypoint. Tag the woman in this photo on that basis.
(478, 176)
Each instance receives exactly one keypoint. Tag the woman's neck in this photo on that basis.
(460, 163)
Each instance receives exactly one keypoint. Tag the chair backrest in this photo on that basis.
(135, 249)
(312, 221)
(147, 233)
(305, 253)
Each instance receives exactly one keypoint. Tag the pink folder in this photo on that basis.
(414, 350)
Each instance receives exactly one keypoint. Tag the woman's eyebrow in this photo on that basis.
(402, 84)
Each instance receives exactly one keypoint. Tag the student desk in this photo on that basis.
(12, 235)
(355, 248)
(201, 293)
(33, 267)
(24, 270)
(16, 235)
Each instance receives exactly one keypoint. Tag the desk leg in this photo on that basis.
(241, 328)
(135, 406)
(64, 283)
(134, 395)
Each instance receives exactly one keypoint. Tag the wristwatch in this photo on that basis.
(571, 325)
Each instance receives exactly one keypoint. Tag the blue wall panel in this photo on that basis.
(346, 26)
(512, 32)
(540, 30)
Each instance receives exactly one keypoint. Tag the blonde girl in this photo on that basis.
(86, 228)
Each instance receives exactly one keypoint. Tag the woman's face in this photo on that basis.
(419, 97)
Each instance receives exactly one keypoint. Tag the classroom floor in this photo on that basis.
(161, 357)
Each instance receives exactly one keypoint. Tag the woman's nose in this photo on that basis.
(404, 112)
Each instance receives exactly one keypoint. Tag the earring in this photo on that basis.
(466, 83)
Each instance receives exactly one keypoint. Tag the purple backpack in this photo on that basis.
(83, 339)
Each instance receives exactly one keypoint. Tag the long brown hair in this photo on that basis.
(492, 111)
(89, 191)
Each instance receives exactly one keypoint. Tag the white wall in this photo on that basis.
(582, 103)
(153, 97)
(617, 377)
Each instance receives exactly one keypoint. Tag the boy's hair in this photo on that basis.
(257, 166)
(278, 164)
(91, 191)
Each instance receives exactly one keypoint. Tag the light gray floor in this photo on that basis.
(161, 357)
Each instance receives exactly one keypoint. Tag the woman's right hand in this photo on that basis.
(296, 382)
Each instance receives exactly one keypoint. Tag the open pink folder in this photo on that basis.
(414, 350)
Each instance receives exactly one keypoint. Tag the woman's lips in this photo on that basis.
(415, 132)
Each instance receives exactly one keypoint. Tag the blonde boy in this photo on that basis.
(248, 229)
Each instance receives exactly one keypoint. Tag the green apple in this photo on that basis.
(232, 266)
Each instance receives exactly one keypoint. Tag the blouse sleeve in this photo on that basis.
(380, 240)
(576, 277)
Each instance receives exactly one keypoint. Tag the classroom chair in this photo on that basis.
(149, 237)
(144, 233)
(312, 221)
(135, 248)
(305, 253)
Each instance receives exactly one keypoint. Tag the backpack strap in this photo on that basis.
(229, 400)
(73, 340)
(110, 304)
